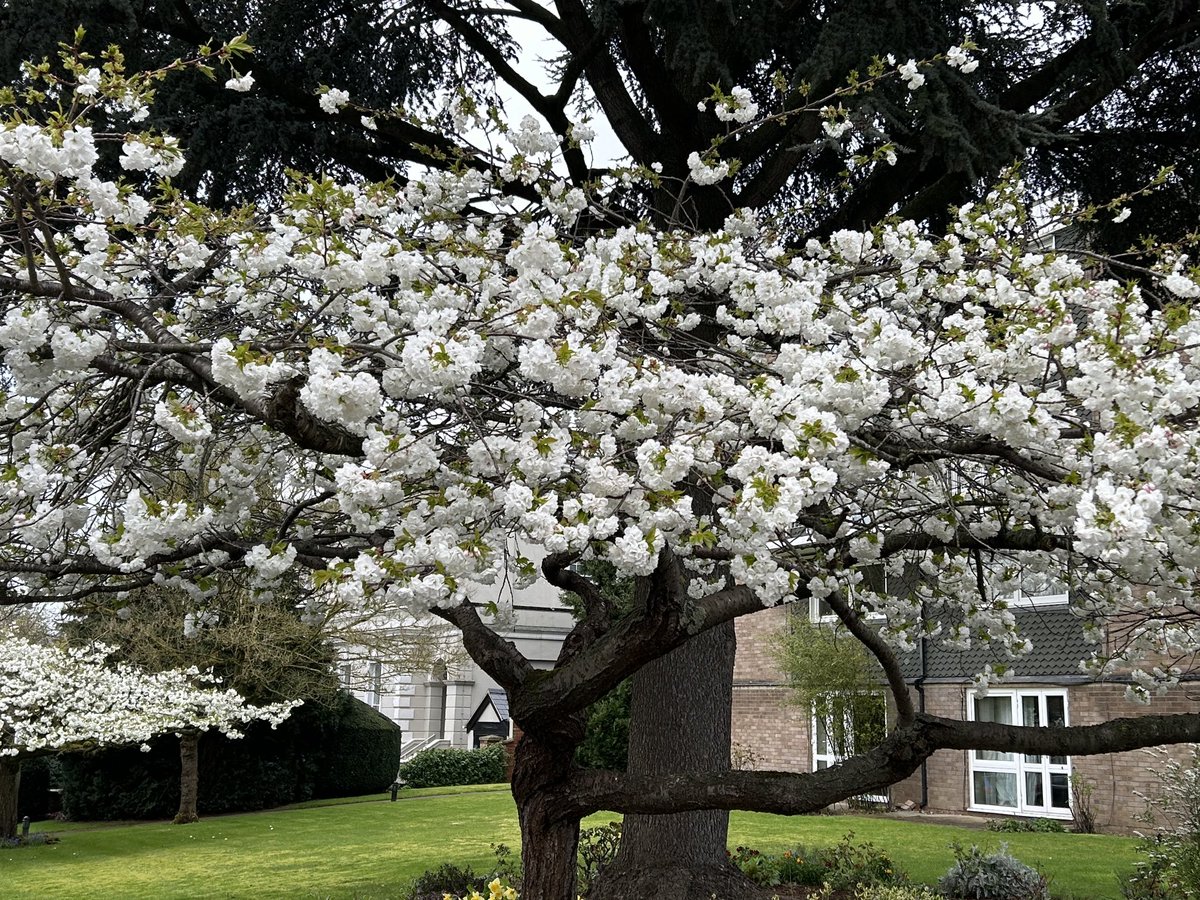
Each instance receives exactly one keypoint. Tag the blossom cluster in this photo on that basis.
(392, 389)
(60, 699)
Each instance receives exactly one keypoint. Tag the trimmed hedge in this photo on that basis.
(34, 795)
(442, 768)
(318, 752)
(363, 754)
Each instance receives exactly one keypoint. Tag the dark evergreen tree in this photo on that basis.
(239, 144)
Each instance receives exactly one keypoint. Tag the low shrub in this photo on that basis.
(1015, 826)
(1083, 808)
(895, 892)
(978, 875)
(759, 867)
(843, 867)
(446, 879)
(597, 848)
(496, 890)
(442, 768)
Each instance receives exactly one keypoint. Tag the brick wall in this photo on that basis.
(947, 769)
(769, 732)
(755, 663)
(1121, 777)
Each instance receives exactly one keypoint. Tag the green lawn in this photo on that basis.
(367, 847)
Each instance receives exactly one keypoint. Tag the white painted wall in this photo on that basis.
(534, 619)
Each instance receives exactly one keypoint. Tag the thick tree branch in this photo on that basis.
(496, 656)
(646, 634)
(896, 758)
(582, 40)
(879, 648)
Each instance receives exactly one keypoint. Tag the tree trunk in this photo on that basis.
(189, 777)
(679, 721)
(549, 844)
(10, 783)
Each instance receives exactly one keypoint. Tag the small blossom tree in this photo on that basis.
(411, 391)
(54, 700)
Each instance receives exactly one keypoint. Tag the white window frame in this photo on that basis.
(817, 617)
(832, 758)
(374, 684)
(1060, 597)
(1021, 765)
(346, 676)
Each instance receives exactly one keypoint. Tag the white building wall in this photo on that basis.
(534, 619)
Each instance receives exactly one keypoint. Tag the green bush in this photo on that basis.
(606, 736)
(442, 768)
(320, 751)
(446, 879)
(1015, 826)
(843, 867)
(992, 876)
(597, 849)
(361, 756)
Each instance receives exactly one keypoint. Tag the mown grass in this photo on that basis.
(369, 848)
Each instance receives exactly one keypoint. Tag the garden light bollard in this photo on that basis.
(25, 827)
(395, 790)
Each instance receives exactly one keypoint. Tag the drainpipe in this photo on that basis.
(920, 685)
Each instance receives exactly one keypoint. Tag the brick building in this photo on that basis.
(771, 732)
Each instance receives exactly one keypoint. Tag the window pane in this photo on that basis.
(996, 789)
(1029, 712)
(1060, 797)
(1033, 789)
(1031, 718)
(1056, 717)
(993, 709)
(822, 736)
(1056, 711)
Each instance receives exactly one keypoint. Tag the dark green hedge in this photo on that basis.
(363, 754)
(318, 752)
(440, 768)
(34, 796)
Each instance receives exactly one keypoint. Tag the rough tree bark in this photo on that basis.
(549, 843)
(189, 777)
(679, 722)
(10, 783)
